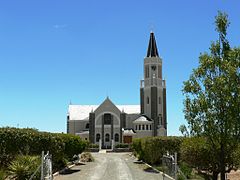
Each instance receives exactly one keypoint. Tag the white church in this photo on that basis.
(108, 123)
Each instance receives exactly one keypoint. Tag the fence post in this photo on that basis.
(175, 164)
(42, 162)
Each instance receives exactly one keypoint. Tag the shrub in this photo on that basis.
(122, 145)
(3, 174)
(23, 167)
(151, 149)
(86, 157)
(186, 169)
(74, 145)
(93, 145)
(136, 146)
(196, 153)
(14, 141)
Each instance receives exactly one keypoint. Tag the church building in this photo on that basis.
(109, 123)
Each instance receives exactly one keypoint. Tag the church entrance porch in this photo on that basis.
(128, 134)
(127, 139)
(107, 142)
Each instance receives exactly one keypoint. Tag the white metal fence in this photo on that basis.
(45, 167)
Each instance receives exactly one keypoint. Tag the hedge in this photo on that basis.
(152, 149)
(15, 141)
(122, 145)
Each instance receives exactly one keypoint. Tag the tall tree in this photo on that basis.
(212, 99)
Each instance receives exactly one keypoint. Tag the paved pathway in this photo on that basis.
(112, 166)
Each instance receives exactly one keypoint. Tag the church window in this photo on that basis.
(139, 127)
(107, 119)
(147, 71)
(107, 138)
(147, 100)
(159, 72)
(97, 137)
(146, 126)
(160, 119)
(116, 139)
(143, 127)
(87, 126)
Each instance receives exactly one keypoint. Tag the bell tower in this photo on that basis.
(153, 90)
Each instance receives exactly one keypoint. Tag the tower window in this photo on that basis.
(159, 100)
(147, 71)
(147, 100)
(159, 72)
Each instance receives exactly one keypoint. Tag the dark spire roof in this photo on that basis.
(152, 46)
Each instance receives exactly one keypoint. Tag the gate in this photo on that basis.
(170, 161)
(45, 167)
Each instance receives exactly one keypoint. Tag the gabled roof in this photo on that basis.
(152, 47)
(81, 112)
(142, 118)
(106, 104)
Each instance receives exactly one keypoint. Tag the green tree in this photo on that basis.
(212, 99)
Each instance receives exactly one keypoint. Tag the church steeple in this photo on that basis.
(153, 89)
(152, 46)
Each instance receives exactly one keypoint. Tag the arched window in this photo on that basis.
(98, 137)
(107, 119)
(107, 138)
(87, 126)
(116, 139)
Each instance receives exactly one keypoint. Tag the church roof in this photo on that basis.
(152, 47)
(142, 118)
(81, 112)
(128, 131)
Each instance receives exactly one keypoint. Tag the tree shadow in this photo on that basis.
(69, 171)
(151, 170)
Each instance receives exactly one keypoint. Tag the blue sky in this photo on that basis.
(55, 51)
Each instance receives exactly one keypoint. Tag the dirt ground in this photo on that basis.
(234, 175)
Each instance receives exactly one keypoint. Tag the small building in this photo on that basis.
(122, 123)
